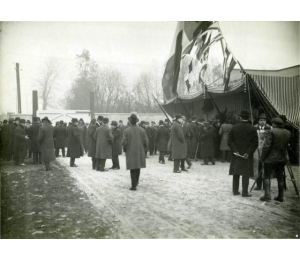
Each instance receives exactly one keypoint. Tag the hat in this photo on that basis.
(277, 120)
(46, 119)
(178, 116)
(166, 120)
(17, 118)
(161, 122)
(105, 120)
(28, 121)
(244, 113)
(100, 118)
(133, 119)
(206, 124)
(81, 120)
(74, 120)
(93, 121)
(283, 118)
(11, 120)
(114, 123)
(262, 116)
(35, 119)
(22, 121)
(120, 121)
(4, 121)
(61, 122)
(152, 122)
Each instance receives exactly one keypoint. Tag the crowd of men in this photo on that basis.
(181, 141)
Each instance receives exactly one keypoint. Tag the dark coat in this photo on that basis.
(207, 143)
(122, 129)
(104, 139)
(187, 137)
(74, 147)
(92, 142)
(194, 136)
(162, 136)
(81, 132)
(10, 139)
(33, 134)
(20, 141)
(151, 135)
(117, 145)
(46, 142)
(179, 146)
(275, 146)
(243, 139)
(135, 143)
(60, 136)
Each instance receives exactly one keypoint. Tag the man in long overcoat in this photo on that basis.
(150, 134)
(33, 134)
(179, 146)
(4, 139)
(74, 147)
(135, 143)
(242, 140)
(104, 139)
(92, 142)
(194, 137)
(274, 157)
(46, 142)
(122, 128)
(117, 146)
(20, 143)
(82, 129)
(28, 142)
(162, 136)
(60, 138)
(15, 154)
(10, 139)
(207, 143)
(187, 135)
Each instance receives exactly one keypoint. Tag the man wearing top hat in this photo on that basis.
(135, 143)
(45, 139)
(273, 156)
(179, 146)
(104, 139)
(162, 136)
(33, 134)
(261, 129)
(194, 137)
(60, 138)
(242, 141)
(74, 147)
(20, 143)
(116, 146)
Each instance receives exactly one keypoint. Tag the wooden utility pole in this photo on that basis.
(92, 107)
(18, 89)
(35, 105)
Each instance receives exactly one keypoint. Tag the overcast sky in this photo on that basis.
(129, 46)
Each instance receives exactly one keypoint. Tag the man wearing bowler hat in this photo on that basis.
(104, 139)
(261, 129)
(162, 136)
(74, 147)
(46, 143)
(33, 134)
(116, 146)
(179, 146)
(60, 138)
(20, 143)
(135, 142)
(92, 142)
(242, 141)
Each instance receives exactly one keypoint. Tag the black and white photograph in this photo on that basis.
(149, 129)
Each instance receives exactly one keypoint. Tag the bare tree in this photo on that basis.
(47, 81)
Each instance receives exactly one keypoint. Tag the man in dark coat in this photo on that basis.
(201, 130)
(20, 143)
(104, 139)
(242, 141)
(207, 142)
(194, 137)
(15, 155)
(187, 135)
(74, 147)
(60, 138)
(162, 136)
(4, 139)
(274, 158)
(135, 142)
(46, 142)
(10, 139)
(28, 142)
(117, 146)
(82, 129)
(92, 142)
(150, 134)
(33, 133)
(179, 146)
(122, 129)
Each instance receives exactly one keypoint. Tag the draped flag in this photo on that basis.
(228, 65)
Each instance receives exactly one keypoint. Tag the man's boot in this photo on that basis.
(280, 192)
(267, 186)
